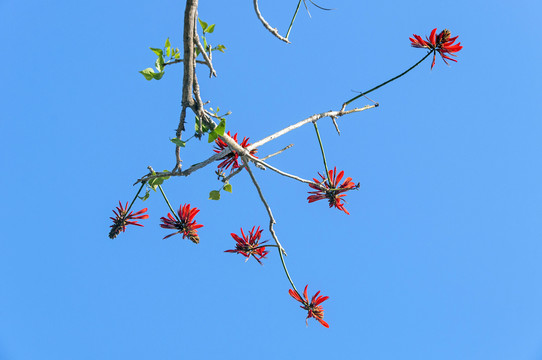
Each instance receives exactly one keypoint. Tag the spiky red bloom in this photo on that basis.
(313, 307)
(441, 43)
(232, 157)
(333, 191)
(186, 226)
(122, 219)
(251, 245)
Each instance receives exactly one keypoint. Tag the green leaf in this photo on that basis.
(221, 127)
(178, 142)
(203, 24)
(146, 196)
(220, 48)
(148, 73)
(212, 136)
(159, 64)
(204, 128)
(205, 43)
(214, 195)
(158, 52)
(167, 44)
(227, 188)
(211, 28)
(177, 56)
(159, 75)
(153, 183)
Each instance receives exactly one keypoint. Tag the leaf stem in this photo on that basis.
(293, 19)
(390, 80)
(323, 154)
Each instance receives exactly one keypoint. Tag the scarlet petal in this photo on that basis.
(326, 325)
(433, 37)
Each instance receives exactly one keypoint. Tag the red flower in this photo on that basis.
(334, 191)
(250, 246)
(314, 308)
(122, 219)
(232, 157)
(441, 43)
(186, 226)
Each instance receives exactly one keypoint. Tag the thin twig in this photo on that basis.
(205, 56)
(181, 60)
(266, 24)
(238, 170)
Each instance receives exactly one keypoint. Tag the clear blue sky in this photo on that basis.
(439, 259)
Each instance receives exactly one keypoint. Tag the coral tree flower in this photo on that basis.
(334, 191)
(122, 219)
(186, 226)
(231, 158)
(441, 43)
(250, 245)
(313, 307)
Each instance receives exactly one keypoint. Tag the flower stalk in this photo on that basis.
(168, 204)
(390, 80)
(322, 150)
(293, 18)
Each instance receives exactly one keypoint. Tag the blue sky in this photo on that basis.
(440, 257)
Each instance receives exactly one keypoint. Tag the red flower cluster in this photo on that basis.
(122, 219)
(251, 245)
(313, 307)
(186, 225)
(441, 43)
(232, 157)
(333, 191)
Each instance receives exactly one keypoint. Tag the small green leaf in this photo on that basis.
(212, 136)
(221, 127)
(146, 196)
(203, 24)
(167, 44)
(165, 177)
(227, 188)
(214, 195)
(148, 73)
(220, 48)
(178, 142)
(158, 52)
(177, 56)
(204, 128)
(211, 28)
(159, 75)
(159, 64)
(205, 43)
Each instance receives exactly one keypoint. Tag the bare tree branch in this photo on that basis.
(310, 119)
(266, 24)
